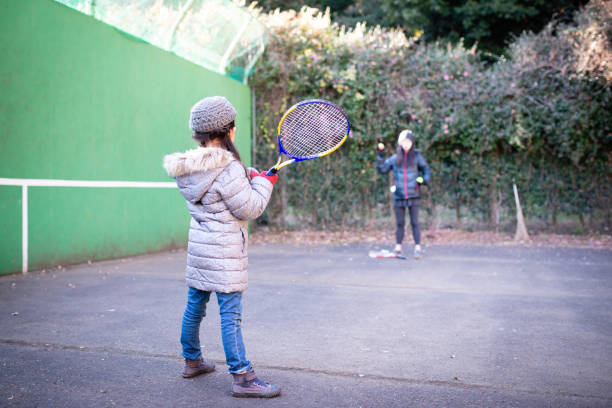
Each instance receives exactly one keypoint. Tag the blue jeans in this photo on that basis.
(230, 309)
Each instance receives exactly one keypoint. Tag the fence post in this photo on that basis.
(24, 228)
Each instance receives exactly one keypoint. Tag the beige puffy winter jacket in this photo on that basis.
(221, 199)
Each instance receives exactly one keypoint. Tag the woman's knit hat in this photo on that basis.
(210, 114)
(405, 134)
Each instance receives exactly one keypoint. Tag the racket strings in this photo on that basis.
(312, 129)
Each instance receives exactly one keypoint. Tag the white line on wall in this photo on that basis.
(84, 183)
(25, 183)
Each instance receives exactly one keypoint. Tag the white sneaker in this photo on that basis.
(418, 253)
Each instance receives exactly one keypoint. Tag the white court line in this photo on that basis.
(25, 183)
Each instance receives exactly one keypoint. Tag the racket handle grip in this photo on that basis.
(271, 172)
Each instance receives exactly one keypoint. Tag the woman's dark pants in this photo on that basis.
(400, 218)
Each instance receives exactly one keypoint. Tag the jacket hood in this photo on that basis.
(196, 170)
(202, 158)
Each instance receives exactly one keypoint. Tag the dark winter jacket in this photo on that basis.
(405, 175)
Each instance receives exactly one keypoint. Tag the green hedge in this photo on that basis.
(540, 118)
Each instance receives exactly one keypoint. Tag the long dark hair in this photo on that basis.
(410, 157)
(205, 138)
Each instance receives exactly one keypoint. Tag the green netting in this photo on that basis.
(220, 35)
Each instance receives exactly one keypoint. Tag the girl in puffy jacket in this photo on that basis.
(410, 171)
(221, 196)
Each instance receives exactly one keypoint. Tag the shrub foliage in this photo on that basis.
(540, 118)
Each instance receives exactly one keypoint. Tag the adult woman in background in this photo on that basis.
(410, 171)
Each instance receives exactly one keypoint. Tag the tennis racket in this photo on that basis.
(310, 129)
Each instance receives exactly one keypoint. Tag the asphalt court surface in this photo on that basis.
(465, 326)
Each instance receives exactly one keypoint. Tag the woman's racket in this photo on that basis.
(310, 129)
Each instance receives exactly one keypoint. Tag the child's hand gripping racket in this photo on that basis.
(310, 129)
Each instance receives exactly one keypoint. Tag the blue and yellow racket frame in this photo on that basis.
(295, 159)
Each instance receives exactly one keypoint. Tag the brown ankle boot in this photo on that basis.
(247, 385)
(197, 367)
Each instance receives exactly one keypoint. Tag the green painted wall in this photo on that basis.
(10, 227)
(80, 100)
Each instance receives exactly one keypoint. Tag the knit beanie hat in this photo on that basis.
(211, 113)
(405, 134)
